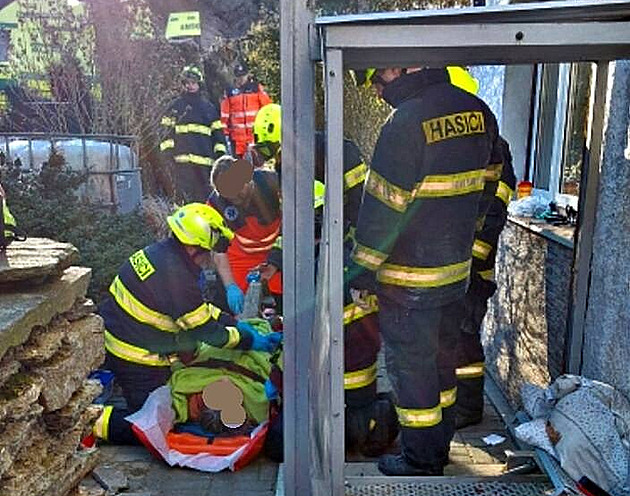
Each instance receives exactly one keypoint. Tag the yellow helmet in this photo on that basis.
(268, 124)
(197, 224)
(192, 72)
(461, 78)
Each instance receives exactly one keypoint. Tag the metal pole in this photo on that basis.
(583, 254)
(298, 129)
(334, 220)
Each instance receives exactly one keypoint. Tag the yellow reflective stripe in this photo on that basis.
(493, 172)
(138, 310)
(216, 125)
(360, 378)
(278, 243)
(504, 192)
(481, 249)
(166, 144)
(448, 397)
(220, 147)
(197, 317)
(353, 311)
(355, 176)
(134, 354)
(234, 337)
(486, 275)
(391, 195)
(193, 128)
(168, 121)
(416, 418)
(193, 159)
(423, 277)
(445, 185)
(101, 426)
(470, 371)
(368, 257)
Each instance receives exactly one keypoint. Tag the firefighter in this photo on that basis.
(249, 201)
(413, 246)
(156, 315)
(239, 107)
(193, 139)
(501, 181)
(370, 420)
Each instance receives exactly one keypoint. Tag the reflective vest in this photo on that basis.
(238, 112)
(423, 191)
(192, 131)
(156, 310)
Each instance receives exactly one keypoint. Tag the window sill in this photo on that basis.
(558, 234)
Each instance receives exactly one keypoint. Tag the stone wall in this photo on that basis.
(606, 354)
(50, 340)
(525, 328)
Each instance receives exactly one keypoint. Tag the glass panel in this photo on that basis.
(546, 121)
(577, 125)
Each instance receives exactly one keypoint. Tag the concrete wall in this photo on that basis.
(607, 334)
(525, 328)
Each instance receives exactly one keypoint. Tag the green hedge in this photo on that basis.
(45, 205)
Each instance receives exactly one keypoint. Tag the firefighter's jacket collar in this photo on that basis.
(410, 85)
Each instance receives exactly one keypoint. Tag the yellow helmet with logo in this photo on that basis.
(197, 224)
(192, 72)
(461, 78)
(268, 124)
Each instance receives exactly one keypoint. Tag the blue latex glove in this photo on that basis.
(267, 342)
(246, 327)
(271, 391)
(235, 298)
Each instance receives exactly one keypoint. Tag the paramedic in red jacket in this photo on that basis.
(239, 107)
(249, 201)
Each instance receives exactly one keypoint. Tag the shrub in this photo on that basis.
(45, 205)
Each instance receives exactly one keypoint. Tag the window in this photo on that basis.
(560, 123)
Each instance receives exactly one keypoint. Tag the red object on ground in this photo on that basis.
(524, 188)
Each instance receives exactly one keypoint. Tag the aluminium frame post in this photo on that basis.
(583, 253)
(298, 143)
(334, 220)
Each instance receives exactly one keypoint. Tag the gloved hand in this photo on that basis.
(246, 327)
(235, 298)
(271, 391)
(266, 342)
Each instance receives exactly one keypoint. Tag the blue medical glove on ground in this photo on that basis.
(271, 391)
(235, 298)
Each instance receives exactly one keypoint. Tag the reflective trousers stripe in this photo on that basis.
(101, 426)
(423, 277)
(134, 354)
(487, 275)
(191, 158)
(355, 176)
(481, 249)
(167, 144)
(354, 311)
(417, 418)
(360, 378)
(368, 257)
(470, 371)
(448, 397)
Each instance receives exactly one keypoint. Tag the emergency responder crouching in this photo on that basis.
(414, 247)
(156, 315)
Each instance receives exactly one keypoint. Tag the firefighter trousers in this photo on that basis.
(191, 182)
(419, 351)
(136, 382)
(470, 356)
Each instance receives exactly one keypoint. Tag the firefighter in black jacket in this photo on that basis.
(156, 314)
(500, 181)
(414, 243)
(193, 139)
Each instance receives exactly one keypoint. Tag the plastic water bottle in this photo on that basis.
(252, 296)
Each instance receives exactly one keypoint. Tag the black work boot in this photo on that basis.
(466, 418)
(400, 465)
